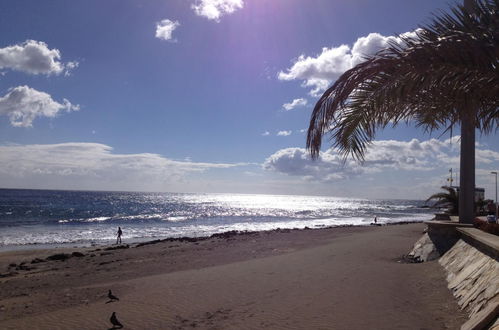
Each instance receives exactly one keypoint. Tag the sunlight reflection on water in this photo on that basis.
(56, 217)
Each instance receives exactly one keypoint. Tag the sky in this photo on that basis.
(204, 96)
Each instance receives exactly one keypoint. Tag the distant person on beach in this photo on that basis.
(118, 239)
(375, 219)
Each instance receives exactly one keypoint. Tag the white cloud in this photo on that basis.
(295, 103)
(34, 57)
(486, 156)
(70, 66)
(23, 104)
(250, 173)
(165, 28)
(373, 43)
(320, 71)
(92, 166)
(266, 133)
(214, 9)
(284, 133)
(297, 162)
(381, 156)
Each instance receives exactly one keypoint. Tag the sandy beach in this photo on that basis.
(334, 278)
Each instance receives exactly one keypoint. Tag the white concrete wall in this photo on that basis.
(473, 277)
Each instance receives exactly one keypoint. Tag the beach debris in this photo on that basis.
(114, 321)
(13, 264)
(190, 239)
(9, 274)
(112, 297)
(228, 234)
(119, 247)
(59, 256)
(149, 242)
(23, 266)
(225, 235)
(37, 260)
(106, 262)
(77, 254)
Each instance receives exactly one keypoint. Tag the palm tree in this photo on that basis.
(447, 75)
(448, 199)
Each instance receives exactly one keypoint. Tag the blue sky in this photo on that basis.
(202, 96)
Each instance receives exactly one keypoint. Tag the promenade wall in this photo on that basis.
(472, 267)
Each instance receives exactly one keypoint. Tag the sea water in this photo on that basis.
(36, 218)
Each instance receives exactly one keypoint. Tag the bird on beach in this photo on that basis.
(111, 297)
(114, 321)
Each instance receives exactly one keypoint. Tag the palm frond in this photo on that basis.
(448, 73)
(448, 199)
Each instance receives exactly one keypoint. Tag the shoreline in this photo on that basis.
(134, 241)
(350, 277)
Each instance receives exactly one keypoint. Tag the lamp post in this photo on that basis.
(497, 204)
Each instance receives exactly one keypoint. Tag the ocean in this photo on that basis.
(44, 218)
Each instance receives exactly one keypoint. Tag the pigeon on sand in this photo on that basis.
(112, 297)
(114, 321)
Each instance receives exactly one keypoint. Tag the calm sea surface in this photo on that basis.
(36, 218)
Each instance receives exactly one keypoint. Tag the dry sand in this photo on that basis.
(338, 278)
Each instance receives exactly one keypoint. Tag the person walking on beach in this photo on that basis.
(118, 239)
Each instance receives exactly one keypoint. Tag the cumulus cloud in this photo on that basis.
(23, 104)
(266, 133)
(318, 72)
(382, 155)
(295, 103)
(92, 163)
(165, 28)
(284, 133)
(34, 57)
(486, 156)
(214, 9)
(297, 162)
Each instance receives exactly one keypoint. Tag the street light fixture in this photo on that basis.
(497, 204)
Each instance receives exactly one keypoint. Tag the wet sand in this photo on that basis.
(335, 278)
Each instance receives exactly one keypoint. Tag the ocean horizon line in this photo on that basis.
(214, 193)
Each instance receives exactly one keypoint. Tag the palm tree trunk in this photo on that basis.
(467, 172)
(467, 160)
